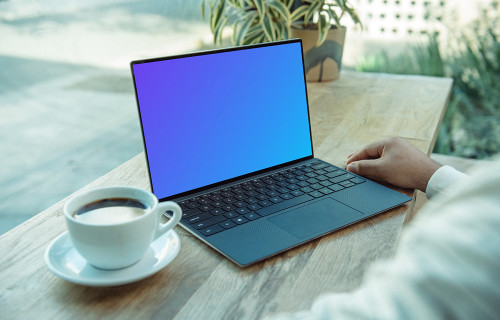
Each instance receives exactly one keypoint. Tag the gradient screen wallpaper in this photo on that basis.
(212, 117)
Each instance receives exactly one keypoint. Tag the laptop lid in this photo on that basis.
(215, 116)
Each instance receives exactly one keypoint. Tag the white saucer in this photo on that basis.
(64, 261)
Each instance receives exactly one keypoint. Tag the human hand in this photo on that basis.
(393, 160)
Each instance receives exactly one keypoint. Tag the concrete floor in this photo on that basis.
(67, 108)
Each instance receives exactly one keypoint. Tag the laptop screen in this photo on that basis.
(212, 116)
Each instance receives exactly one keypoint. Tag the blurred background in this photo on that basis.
(67, 107)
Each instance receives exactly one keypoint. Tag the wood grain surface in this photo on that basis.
(200, 284)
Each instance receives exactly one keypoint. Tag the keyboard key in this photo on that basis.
(262, 190)
(262, 197)
(298, 172)
(228, 207)
(227, 194)
(316, 186)
(231, 214)
(347, 184)
(342, 178)
(320, 166)
(316, 194)
(227, 224)
(206, 207)
(199, 217)
(266, 203)
(273, 193)
(286, 196)
(312, 180)
(252, 193)
(252, 216)
(242, 210)
(248, 187)
(258, 184)
(335, 173)
(311, 174)
(321, 178)
(282, 190)
(284, 205)
(330, 169)
(357, 180)
(229, 200)
(192, 204)
(283, 183)
(203, 201)
(275, 199)
(240, 220)
(302, 177)
(217, 204)
(336, 187)
(278, 177)
(303, 184)
(240, 197)
(297, 193)
(306, 189)
(238, 191)
(325, 190)
(214, 197)
(217, 211)
(212, 230)
(252, 200)
(269, 181)
(240, 204)
(254, 206)
(326, 183)
(208, 222)
(293, 187)
(190, 212)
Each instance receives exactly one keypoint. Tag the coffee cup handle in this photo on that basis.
(174, 219)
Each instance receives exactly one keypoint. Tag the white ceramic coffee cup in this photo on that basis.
(118, 245)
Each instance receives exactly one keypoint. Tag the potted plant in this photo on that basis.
(316, 22)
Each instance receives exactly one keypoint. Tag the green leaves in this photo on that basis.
(323, 27)
(255, 21)
(259, 4)
(299, 13)
(315, 7)
(243, 31)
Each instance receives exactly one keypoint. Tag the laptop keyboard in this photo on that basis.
(228, 208)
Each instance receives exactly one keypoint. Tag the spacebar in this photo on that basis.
(283, 205)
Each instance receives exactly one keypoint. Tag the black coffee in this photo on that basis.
(110, 211)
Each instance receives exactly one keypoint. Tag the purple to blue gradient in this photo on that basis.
(214, 117)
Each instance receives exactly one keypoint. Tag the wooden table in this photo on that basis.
(200, 284)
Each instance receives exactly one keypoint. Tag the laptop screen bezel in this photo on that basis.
(215, 51)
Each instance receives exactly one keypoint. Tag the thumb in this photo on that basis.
(366, 168)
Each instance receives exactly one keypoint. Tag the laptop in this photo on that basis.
(227, 136)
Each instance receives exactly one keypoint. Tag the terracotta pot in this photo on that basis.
(322, 63)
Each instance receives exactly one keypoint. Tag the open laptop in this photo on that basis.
(227, 136)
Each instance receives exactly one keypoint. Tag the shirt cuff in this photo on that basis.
(441, 180)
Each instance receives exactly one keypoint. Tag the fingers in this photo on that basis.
(371, 151)
(368, 168)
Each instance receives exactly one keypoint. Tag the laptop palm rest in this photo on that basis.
(316, 218)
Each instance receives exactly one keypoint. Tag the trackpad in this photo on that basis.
(316, 218)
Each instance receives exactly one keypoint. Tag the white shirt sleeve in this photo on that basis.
(447, 265)
(443, 178)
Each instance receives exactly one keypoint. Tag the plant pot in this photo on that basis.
(322, 63)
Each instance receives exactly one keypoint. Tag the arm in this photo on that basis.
(444, 268)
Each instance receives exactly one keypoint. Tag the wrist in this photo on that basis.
(430, 170)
